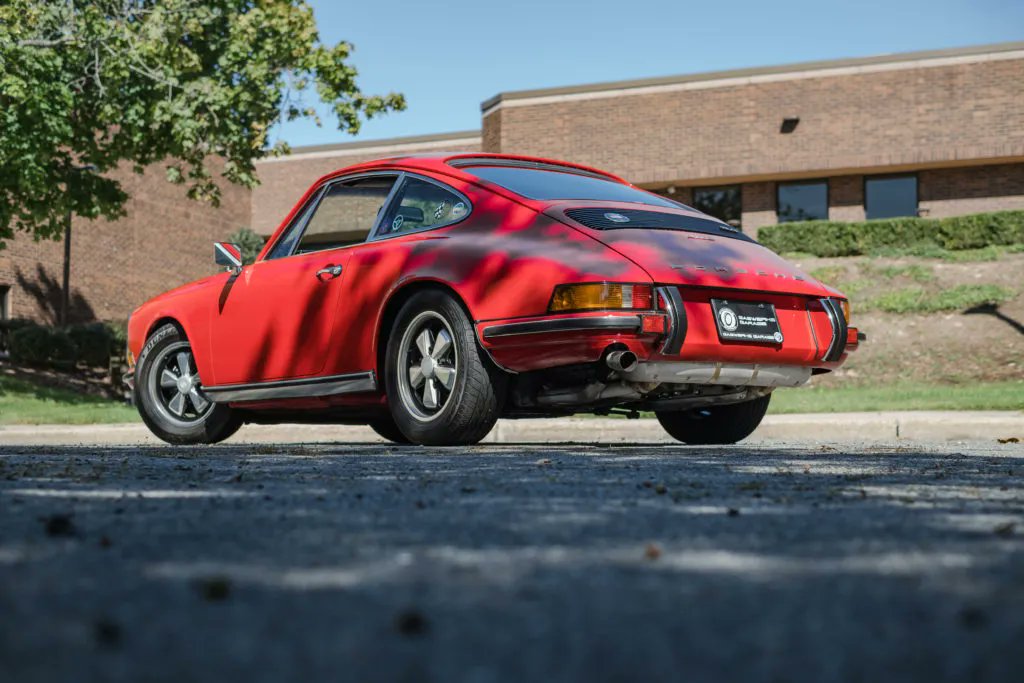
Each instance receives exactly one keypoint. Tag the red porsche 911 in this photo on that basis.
(429, 296)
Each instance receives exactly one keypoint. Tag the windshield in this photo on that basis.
(534, 183)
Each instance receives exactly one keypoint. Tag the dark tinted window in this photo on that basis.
(536, 183)
(419, 205)
(890, 196)
(803, 201)
(721, 202)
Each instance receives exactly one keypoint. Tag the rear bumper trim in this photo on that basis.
(629, 323)
(732, 374)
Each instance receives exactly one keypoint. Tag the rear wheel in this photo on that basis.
(442, 389)
(170, 397)
(723, 424)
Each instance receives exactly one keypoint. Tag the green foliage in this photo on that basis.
(895, 236)
(94, 342)
(116, 83)
(250, 243)
(918, 300)
(915, 272)
(38, 345)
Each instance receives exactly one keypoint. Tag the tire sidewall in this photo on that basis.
(457, 422)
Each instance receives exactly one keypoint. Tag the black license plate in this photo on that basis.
(746, 321)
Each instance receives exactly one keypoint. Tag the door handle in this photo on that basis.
(328, 273)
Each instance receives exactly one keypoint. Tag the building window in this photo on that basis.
(5, 302)
(803, 201)
(723, 203)
(890, 196)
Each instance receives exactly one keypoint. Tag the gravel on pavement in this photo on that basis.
(515, 562)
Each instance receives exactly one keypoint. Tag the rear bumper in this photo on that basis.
(681, 329)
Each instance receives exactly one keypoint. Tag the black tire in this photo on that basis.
(385, 427)
(715, 425)
(464, 412)
(198, 423)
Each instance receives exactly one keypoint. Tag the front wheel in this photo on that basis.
(714, 425)
(442, 390)
(170, 397)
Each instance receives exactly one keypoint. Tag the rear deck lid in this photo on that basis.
(687, 248)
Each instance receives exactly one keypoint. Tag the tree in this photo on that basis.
(88, 85)
(249, 242)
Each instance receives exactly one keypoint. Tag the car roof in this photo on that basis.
(450, 163)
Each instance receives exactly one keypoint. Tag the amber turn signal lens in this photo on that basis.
(600, 295)
(846, 309)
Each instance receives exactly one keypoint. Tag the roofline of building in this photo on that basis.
(361, 145)
(734, 74)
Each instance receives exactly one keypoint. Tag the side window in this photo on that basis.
(284, 246)
(419, 205)
(346, 214)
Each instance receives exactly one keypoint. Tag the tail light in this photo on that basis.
(594, 296)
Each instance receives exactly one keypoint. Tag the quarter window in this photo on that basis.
(421, 205)
(721, 202)
(890, 196)
(805, 201)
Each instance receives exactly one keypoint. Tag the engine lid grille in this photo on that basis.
(639, 219)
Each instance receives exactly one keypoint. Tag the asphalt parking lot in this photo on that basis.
(512, 562)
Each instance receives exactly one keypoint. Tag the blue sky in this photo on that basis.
(447, 57)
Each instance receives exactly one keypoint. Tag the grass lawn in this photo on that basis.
(906, 396)
(23, 402)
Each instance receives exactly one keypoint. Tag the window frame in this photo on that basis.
(893, 176)
(807, 181)
(314, 203)
(375, 234)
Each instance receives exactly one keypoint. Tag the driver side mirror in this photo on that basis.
(228, 255)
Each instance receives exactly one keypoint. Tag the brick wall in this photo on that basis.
(959, 191)
(906, 116)
(164, 241)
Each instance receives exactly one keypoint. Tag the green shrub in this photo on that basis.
(30, 345)
(63, 353)
(94, 342)
(896, 235)
(38, 345)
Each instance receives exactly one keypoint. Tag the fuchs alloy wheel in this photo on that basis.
(713, 425)
(442, 389)
(169, 393)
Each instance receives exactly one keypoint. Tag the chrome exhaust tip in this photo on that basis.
(621, 361)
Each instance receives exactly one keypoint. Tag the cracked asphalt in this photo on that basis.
(512, 562)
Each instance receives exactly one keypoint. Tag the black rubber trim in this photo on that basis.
(293, 388)
(834, 311)
(677, 323)
(609, 322)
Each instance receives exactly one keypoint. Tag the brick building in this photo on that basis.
(934, 133)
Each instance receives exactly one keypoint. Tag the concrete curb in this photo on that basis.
(889, 427)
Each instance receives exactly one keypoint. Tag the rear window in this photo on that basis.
(545, 184)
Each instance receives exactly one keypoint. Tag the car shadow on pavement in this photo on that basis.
(513, 562)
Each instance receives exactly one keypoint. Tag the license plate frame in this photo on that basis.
(747, 322)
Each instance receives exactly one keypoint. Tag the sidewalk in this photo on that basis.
(910, 426)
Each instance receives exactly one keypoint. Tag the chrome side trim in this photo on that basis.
(732, 374)
(607, 322)
(677, 322)
(293, 388)
(835, 318)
